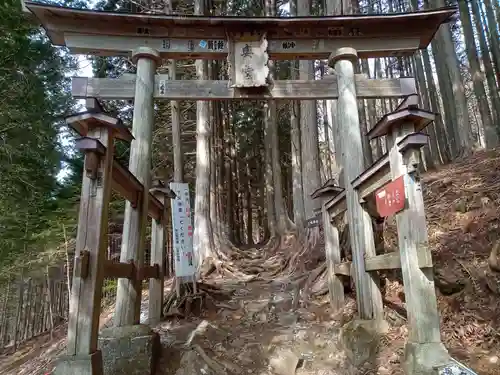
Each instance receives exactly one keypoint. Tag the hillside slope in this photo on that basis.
(463, 211)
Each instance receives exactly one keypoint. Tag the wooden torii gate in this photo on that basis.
(248, 44)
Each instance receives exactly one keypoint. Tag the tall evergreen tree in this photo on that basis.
(35, 97)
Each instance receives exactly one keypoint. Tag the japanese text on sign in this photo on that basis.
(212, 45)
(390, 199)
(182, 228)
(314, 221)
(165, 43)
(216, 45)
(288, 45)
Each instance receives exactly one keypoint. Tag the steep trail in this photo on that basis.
(272, 317)
(263, 329)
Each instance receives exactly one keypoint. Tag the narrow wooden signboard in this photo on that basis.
(182, 231)
(390, 199)
(314, 222)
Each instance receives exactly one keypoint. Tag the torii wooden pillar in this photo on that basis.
(394, 179)
(369, 298)
(128, 298)
(102, 172)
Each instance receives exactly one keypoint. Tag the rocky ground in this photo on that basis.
(272, 326)
(263, 329)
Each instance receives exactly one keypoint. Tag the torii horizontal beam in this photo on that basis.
(123, 88)
(217, 49)
(111, 33)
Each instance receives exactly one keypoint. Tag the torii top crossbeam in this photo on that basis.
(180, 37)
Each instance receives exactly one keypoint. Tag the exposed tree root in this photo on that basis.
(190, 303)
(298, 257)
(231, 261)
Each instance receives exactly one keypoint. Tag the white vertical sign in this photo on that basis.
(182, 231)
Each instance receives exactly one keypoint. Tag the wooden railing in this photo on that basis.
(390, 187)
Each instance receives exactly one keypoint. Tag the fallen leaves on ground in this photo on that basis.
(277, 318)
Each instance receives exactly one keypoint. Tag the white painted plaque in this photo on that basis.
(182, 231)
(250, 63)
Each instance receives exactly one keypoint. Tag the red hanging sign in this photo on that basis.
(391, 199)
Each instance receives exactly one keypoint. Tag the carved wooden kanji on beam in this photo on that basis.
(248, 60)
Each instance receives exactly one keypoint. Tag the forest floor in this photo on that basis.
(269, 325)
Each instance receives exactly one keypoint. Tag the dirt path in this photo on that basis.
(262, 329)
(265, 328)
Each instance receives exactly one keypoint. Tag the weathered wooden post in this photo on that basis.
(424, 352)
(128, 299)
(118, 346)
(98, 132)
(332, 244)
(423, 315)
(158, 253)
(369, 298)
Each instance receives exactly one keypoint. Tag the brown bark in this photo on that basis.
(482, 30)
(248, 199)
(50, 285)
(27, 313)
(5, 315)
(20, 297)
(431, 152)
(477, 75)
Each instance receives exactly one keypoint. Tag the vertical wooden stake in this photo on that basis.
(157, 257)
(68, 266)
(128, 296)
(168, 254)
(5, 314)
(423, 316)
(332, 250)
(34, 327)
(369, 298)
(50, 283)
(195, 289)
(19, 310)
(85, 305)
(27, 306)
